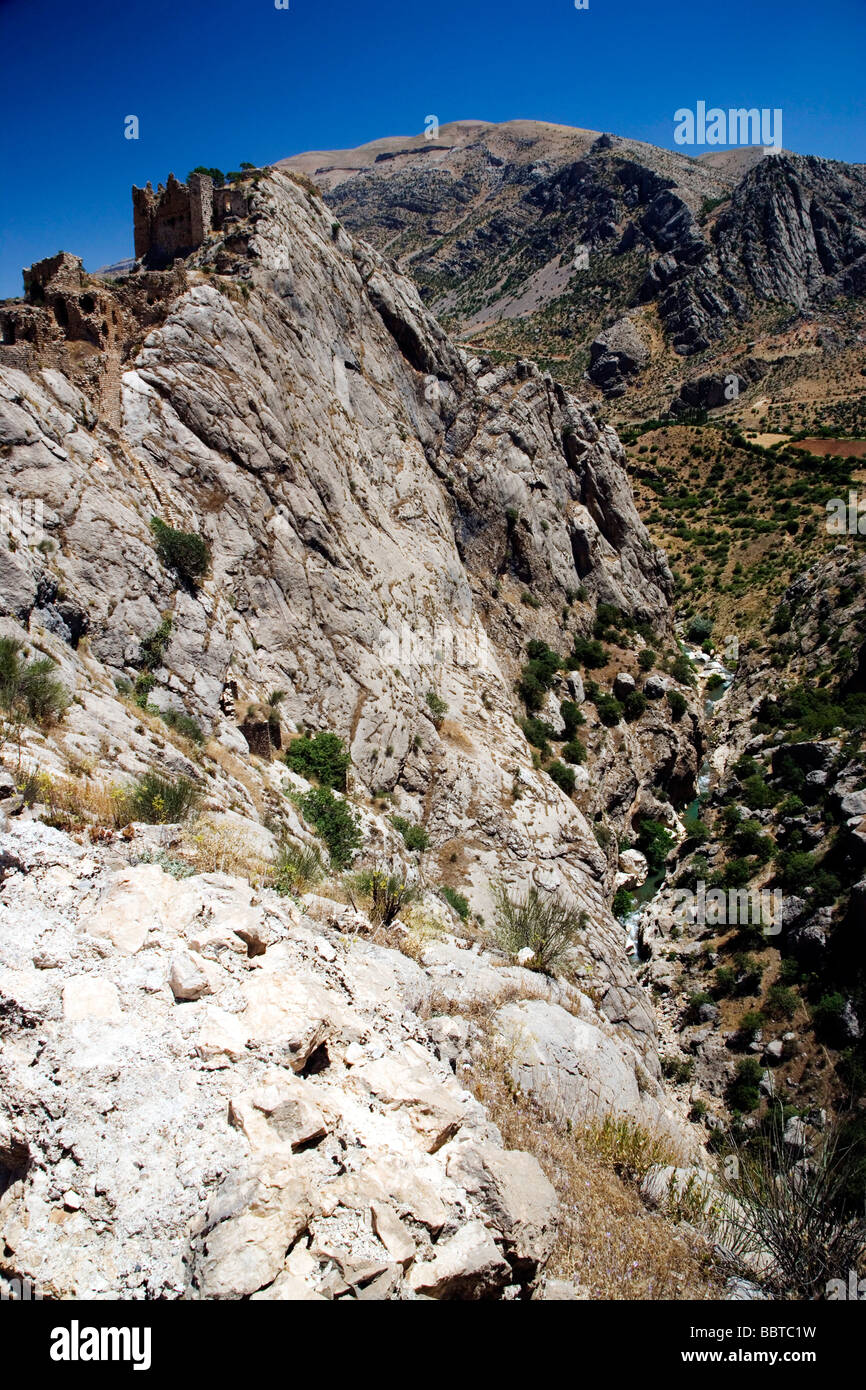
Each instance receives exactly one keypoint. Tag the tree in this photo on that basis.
(186, 552)
(217, 175)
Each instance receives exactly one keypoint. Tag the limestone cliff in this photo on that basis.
(376, 504)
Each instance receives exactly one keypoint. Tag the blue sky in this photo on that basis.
(220, 81)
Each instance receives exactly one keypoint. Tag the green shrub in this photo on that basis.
(571, 716)
(808, 1217)
(415, 837)
(682, 670)
(142, 689)
(610, 711)
(437, 707)
(455, 900)
(574, 751)
(538, 733)
(827, 1018)
(335, 823)
(538, 674)
(623, 902)
(159, 801)
(780, 1002)
(757, 795)
(678, 1069)
(590, 654)
(795, 870)
(297, 868)
(607, 615)
(699, 630)
(747, 837)
(750, 1023)
(678, 704)
(742, 1091)
(386, 894)
(654, 841)
(563, 776)
(323, 757)
(750, 972)
(545, 923)
(635, 705)
(28, 689)
(186, 552)
(183, 724)
(153, 647)
(646, 659)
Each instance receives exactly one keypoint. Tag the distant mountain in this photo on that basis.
(591, 252)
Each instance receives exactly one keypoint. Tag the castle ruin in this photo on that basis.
(177, 218)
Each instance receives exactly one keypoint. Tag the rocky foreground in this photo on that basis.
(210, 1092)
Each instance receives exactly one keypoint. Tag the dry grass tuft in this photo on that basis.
(74, 802)
(608, 1242)
(213, 849)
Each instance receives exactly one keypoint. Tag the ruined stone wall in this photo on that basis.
(174, 220)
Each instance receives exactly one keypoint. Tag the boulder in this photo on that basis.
(248, 1230)
(634, 865)
(520, 1202)
(407, 1085)
(617, 354)
(623, 684)
(188, 977)
(280, 1114)
(469, 1265)
(574, 687)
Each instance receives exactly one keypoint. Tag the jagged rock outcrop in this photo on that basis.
(617, 354)
(717, 389)
(358, 481)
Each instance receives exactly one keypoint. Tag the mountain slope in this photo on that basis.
(538, 240)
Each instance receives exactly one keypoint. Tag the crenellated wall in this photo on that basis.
(176, 219)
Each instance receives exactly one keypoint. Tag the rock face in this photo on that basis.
(617, 353)
(242, 1101)
(359, 483)
(233, 1124)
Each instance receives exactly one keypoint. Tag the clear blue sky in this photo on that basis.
(220, 81)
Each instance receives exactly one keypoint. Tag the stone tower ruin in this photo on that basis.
(174, 220)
